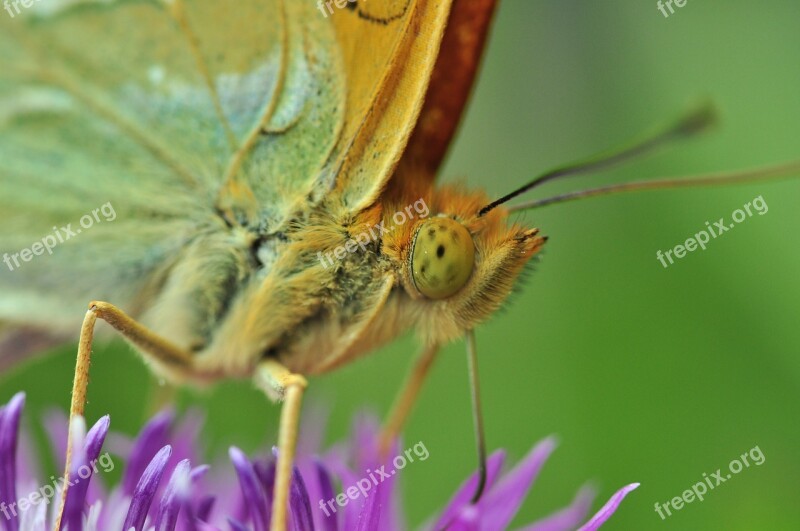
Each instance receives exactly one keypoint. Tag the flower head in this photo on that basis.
(161, 490)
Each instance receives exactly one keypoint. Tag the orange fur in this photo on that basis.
(315, 318)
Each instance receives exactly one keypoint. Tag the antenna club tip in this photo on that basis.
(699, 119)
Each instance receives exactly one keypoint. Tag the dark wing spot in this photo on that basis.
(383, 20)
(440, 251)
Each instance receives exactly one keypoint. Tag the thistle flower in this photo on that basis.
(160, 490)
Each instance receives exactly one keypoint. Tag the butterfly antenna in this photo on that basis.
(695, 121)
(786, 170)
(480, 439)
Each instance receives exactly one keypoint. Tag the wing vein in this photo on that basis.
(179, 14)
(238, 157)
(63, 81)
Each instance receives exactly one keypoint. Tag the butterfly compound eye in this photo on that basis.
(442, 257)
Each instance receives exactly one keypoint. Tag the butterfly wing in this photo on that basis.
(155, 117)
(150, 109)
(389, 50)
(450, 87)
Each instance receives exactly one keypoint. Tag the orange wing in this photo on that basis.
(389, 48)
(450, 87)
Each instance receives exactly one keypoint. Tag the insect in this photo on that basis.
(246, 153)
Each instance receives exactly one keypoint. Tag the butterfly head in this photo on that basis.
(456, 265)
(442, 257)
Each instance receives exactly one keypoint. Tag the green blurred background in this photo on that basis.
(645, 374)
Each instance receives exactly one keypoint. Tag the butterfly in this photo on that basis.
(232, 144)
(248, 191)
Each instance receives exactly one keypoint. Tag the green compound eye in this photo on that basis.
(442, 257)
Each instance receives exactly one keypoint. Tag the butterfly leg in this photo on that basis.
(406, 398)
(282, 384)
(148, 342)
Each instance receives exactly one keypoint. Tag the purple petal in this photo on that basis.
(95, 441)
(204, 507)
(198, 512)
(608, 509)
(329, 522)
(237, 526)
(35, 518)
(175, 495)
(265, 470)
(351, 510)
(196, 518)
(152, 438)
(96, 437)
(252, 491)
(373, 507)
(366, 432)
(465, 492)
(28, 472)
(185, 503)
(387, 503)
(468, 519)
(81, 470)
(299, 503)
(567, 518)
(199, 472)
(370, 516)
(185, 436)
(9, 432)
(73, 515)
(308, 467)
(145, 490)
(500, 504)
